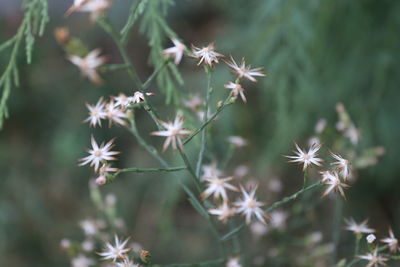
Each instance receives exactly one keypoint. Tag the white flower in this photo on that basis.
(88, 245)
(139, 97)
(374, 259)
(210, 171)
(115, 252)
(320, 126)
(65, 243)
(306, 158)
(237, 89)
(237, 141)
(275, 185)
(234, 262)
(115, 114)
(193, 103)
(357, 229)
(96, 113)
(82, 261)
(99, 154)
(207, 55)
(174, 131)
(353, 134)
(176, 51)
(104, 171)
(89, 64)
(343, 165)
(249, 206)
(278, 219)
(391, 241)
(259, 229)
(244, 71)
(371, 238)
(334, 183)
(89, 227)
(241, 171)
(123, 101)
(217, 187)
(224, 212)
(95, 7)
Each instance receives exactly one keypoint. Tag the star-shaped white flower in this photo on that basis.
(176, 51)
(116, 251)
(224, 212)
(174, 131)
(95, 7)
(217, 187)
(96, 113)
(99, 154)
(89, 64)
(306, 158)
(343, 165)
(334, 183)
(237, 141)
(115, 114)
(392, 242)
(249, 206)
(375, 260)
(357, 229)
(206, 55)
(237, 90)
(244, 71)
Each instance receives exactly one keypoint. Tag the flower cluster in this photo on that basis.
(332, 178)
(217, 186)
(83, 253)
(375, 255)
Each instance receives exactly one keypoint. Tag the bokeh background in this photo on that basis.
(316, 53)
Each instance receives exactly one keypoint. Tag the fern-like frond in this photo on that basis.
(35, 18)
(156, 30)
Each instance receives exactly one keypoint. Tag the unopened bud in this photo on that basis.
(145, 256)
(101, 180)
(371, 238)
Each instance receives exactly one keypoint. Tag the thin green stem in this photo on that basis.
(292, 197)
(305, 177)
(357, 244)
(114, 67)
(212, 117)
(109, 28)
(204, 132)
(228, 156)
(337, 216)
(190, 168)
(152, 150)
(144, 170)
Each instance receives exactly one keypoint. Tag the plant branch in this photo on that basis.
(272, 207)
(212, 117)
(143, 170)
(203, 135)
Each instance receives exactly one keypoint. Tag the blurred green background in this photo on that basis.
(316, 53)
